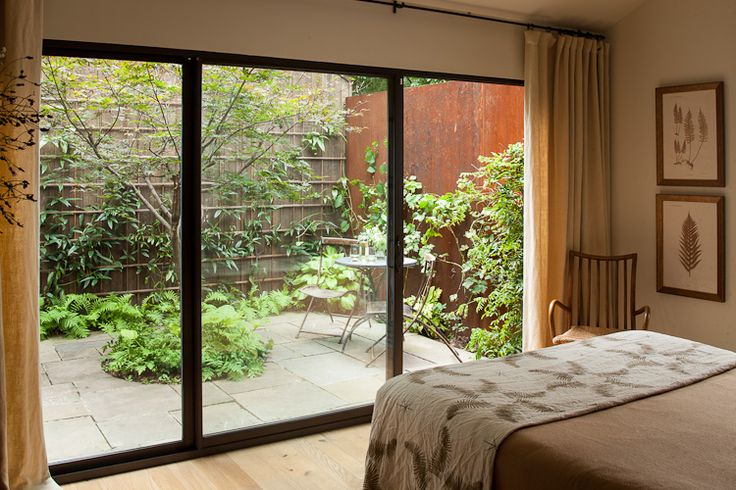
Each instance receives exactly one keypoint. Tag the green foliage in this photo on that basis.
(75, 315)
(146, 343)
(436, 313)
(367, 85)
(490, 201)
(118, 123)
(494, 255)
(495, 342)
(230, 347)
(334, 276)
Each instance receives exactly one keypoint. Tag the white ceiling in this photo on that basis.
(594, 15)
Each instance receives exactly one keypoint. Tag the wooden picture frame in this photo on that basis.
(691, 246)
(690, 135)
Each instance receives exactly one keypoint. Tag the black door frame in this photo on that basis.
(193, 443)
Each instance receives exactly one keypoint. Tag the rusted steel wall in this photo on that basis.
(446, 127)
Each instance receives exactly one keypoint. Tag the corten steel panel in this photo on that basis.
(368, 118)
(446, 127)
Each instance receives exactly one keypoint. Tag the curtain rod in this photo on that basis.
(396, 6)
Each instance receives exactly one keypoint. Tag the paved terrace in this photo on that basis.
(88, 412)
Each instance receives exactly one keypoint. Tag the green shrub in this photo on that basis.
(496, 342)
(493, 268)
(230, 347)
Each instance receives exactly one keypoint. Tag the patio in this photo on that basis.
(88, 412)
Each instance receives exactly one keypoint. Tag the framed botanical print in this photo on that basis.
(691, 246)
(690, 135)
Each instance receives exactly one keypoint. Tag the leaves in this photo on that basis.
(119, 123)
(690, 252)
(702, 127)
(689, 127)
(20, 119)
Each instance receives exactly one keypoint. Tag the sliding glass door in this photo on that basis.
(293, 246)
(110, 210)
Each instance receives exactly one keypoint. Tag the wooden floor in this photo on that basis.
(323, 461)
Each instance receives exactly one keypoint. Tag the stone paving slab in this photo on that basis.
(73, 370)
(290, 401)
(135, 429)
(281, 352)
(223, 417)
(273, 376)
(329, 368)
(62, 401)
(138, 399)
(433, 351)
(413, 363)
(101, 381)
(73, 438)
(356, 348)
(47, 352)
(307, 348)
(357, 391)
(81, 350)
(211, 394)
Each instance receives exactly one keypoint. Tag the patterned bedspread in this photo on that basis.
(440, 427)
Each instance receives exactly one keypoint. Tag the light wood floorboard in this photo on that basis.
(322, 461)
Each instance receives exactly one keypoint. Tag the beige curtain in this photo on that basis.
(566, 181)
(22, 450)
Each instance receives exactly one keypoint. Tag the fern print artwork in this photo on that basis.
(691, 246)
(685, 137)
(690, 135)
(690, 251)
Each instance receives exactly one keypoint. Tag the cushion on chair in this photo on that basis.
(321, 293)
(581, 332)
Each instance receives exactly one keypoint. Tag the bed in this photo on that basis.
(634, 409)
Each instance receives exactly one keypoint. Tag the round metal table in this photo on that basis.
(367, 265)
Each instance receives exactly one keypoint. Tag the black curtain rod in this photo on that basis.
(396, 6)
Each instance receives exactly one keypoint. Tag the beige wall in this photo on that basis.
(342, 31)
(670, 42)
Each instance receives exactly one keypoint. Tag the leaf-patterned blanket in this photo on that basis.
(440, 427)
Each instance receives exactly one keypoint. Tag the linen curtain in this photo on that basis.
(567, 174)
(22, 450)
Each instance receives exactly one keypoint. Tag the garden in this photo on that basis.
(287, 158)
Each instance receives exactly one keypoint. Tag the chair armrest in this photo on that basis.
(647, 314)
(555, 303)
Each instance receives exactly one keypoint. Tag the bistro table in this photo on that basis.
(367, 265)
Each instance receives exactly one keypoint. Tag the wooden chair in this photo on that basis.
(600, 293)
(317, 291)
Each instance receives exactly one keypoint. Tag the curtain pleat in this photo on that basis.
(22, 450)
(567, 175)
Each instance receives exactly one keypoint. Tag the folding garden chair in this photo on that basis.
(318, 291)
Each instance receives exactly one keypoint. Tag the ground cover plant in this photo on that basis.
(146, 338)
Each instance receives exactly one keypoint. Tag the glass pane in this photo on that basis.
(292, 256)
(463, 209)
(110, 334)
